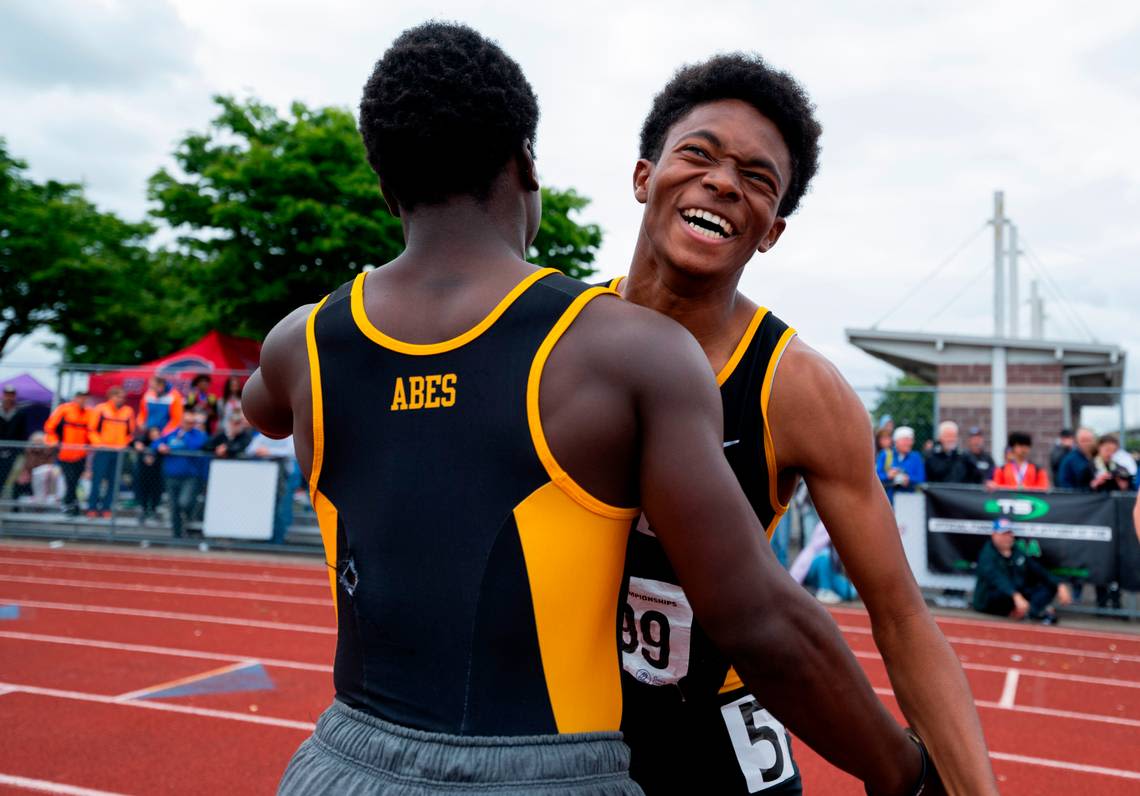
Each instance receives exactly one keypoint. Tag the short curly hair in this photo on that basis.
(443, 112)
(746, 77)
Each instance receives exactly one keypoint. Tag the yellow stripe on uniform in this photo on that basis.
(424, 349)
(534, 419)
(765, 395)
(575, 560)
(741, 347)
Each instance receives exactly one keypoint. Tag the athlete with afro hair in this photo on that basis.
(728, 151)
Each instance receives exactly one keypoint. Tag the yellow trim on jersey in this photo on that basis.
(327, 522)
(423, 349)
(765, 395)
(732, 680)
(534, 419)
(741, 347)
(317, 402)
(615, 283)
(575, 561)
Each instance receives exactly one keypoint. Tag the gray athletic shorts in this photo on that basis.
(354, 753)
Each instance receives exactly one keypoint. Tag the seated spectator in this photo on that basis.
(947, 464)
(1019, 472)
(815, 568)
(1012, 584)
(182, 469)
(906, 470)
(232, 440)
(40, 479)
(1076, 469)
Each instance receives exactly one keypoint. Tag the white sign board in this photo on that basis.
(910, 514)
(240, 500)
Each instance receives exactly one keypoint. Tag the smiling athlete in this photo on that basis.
(727, 152)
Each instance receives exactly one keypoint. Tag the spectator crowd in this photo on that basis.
(164, 447)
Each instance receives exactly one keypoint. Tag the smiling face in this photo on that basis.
(711, 198)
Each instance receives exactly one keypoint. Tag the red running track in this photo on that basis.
(85, 634)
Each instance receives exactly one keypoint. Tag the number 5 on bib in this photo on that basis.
(760, 743)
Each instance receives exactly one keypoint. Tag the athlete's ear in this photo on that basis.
(642, 171)
(390, 200)
(769, 240)
(527, 172)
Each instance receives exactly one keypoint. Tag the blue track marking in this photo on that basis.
(9, 612)
(249, 678)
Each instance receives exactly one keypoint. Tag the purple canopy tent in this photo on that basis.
(28, 390)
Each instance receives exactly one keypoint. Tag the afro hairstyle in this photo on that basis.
(744, 77)
(443, 112)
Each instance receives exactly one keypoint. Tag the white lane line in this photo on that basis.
(167, 572)
(167, 707)
(148, 649)
(1010, 645)
(1007, 626)
(1009, 690)
(1058, 714)
(44, 786)
(987, 667)
(272, 561)
(181, 617)
(224, 593)
(1081, 767)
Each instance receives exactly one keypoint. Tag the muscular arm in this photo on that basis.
(785, 647)
(820, 429)
(276, 398)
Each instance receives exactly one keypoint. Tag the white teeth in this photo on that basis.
(705, 215)
(708, 233)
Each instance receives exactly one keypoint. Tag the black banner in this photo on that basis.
(1129, 574)
(1074, 534)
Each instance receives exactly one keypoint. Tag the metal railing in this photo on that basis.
(140, 494)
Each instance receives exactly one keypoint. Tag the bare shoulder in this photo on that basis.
(641, 343)
(811, 401)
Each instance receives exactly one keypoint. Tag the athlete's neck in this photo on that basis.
(710, 307)
(462, 234)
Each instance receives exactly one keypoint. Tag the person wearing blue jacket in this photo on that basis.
(900, 469)
(183, 468)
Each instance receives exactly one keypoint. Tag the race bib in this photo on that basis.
(656, 627)
(760, 743)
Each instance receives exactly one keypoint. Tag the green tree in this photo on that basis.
(907, 407)
(68, 267)
(277, 211)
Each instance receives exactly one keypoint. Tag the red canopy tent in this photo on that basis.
(217, 355)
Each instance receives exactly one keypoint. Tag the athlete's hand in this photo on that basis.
(1020, 606)
(1064, 595)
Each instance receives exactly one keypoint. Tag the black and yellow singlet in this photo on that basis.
(691, 725)
(476, 583)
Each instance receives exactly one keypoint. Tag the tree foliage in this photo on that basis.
(277, 211)
(66, 266)
(907, 407)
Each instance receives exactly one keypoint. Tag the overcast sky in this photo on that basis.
(926, 109)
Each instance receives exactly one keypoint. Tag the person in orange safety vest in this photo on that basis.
(111, 427)
(1018, 472)
(68, 427)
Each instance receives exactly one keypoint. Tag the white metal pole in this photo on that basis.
(1014, 288)
(999, 270)
(997, 406)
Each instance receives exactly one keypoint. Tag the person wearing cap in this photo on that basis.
(1012, 584)
(978, 456)
(1061, 449)
(1018, 472)
(13, 428)
(68, 428)
(904, 470)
